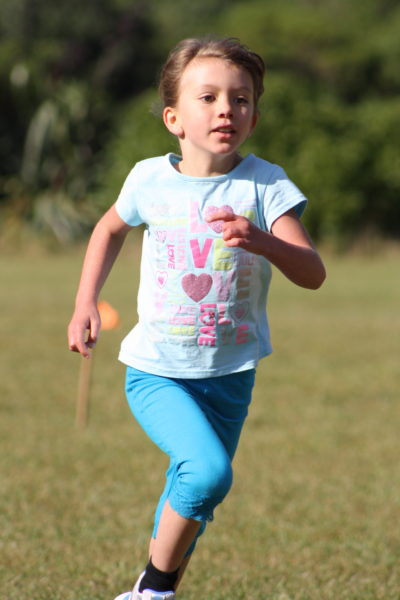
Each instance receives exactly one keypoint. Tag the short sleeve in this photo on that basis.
(281, 195)
(127, 201)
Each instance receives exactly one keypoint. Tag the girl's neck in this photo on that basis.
(196, 167)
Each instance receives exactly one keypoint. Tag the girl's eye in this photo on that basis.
(241, 100)
(207, 98)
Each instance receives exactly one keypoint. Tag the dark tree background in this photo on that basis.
(77, 96)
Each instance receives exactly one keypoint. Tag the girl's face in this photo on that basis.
(214, 115)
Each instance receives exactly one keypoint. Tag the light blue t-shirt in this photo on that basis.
(201, 305)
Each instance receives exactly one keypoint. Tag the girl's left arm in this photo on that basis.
(291, 250)
(288, 246)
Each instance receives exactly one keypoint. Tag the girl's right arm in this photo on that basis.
(105, 243)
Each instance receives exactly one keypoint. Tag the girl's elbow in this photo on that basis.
(318, 279)
(313, 277)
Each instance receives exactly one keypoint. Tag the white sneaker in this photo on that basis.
(153, 595)
(146, 594)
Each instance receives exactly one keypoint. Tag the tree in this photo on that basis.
(75, 100)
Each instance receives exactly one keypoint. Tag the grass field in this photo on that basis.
(315, 509)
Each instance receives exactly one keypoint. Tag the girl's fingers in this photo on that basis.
(94, 331)
(78, 338)
(78, 344)
(221, 215)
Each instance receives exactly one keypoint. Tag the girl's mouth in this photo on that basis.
(224, 130)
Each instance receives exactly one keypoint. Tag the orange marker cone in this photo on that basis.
(109, 316)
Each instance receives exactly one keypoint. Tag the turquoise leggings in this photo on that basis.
(197, 422)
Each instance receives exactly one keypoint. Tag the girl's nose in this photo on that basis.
(225, 109)
(225, 113)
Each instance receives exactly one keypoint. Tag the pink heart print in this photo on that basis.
(241, 310)
(161, 277)
(216, 225)
(196, 286)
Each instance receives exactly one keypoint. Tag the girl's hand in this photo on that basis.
(84, 320)
(288, 246)
(237, 231)
(104, 245)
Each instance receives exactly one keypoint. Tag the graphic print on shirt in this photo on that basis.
(197, 286)
(216, 225)
(202, 291)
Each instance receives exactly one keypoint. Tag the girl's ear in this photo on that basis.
(171, 121)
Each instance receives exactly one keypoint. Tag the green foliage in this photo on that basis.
(138, 134)
(342, 155)
(63, 72)
(331, 109)
(76, 99)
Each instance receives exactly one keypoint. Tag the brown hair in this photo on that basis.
(229, 49)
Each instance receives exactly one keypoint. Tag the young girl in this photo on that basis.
(215, 222)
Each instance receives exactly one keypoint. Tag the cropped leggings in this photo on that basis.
(197, 422)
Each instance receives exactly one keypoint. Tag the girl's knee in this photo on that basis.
(212, 479)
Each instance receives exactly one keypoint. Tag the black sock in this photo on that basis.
(159, 581)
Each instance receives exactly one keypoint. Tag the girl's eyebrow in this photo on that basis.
(213, 86)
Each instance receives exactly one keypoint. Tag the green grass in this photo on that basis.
(315, 508)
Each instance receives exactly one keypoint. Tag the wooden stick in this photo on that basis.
(109, 320)
(82, 405)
